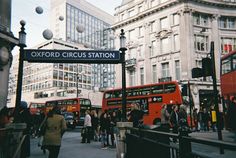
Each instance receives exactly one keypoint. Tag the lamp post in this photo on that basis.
(123, 49)
(215, 91)
(22, 45)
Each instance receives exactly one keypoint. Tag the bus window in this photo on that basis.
(169, 88)
(117, 94)
(158, 89)
(145, 90)
(108, 95)
(226, 66)
(234, 62)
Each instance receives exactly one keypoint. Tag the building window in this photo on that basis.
(201, 43)
(228, 44)
(141, 51)
(151, 27)
(142, 76)
(165, 45)
(131, 12)
(176, 42)
(131, 34)
(140, 8)
(175, 19)
(177, 70)
(132, 78)
(164, 23)
(201, 19)
(165, 70)
(154, 73)
(153, 48)
(140, 31)
(227, 22)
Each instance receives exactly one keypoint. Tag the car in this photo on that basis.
(70, 119)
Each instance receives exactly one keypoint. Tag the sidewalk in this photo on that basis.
(226, 135)
(71, 147)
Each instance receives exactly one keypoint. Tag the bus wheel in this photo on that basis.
(157, 121)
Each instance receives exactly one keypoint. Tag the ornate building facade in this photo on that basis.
(167, 38)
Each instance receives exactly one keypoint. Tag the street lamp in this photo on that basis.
(22, 45)
(123, 49)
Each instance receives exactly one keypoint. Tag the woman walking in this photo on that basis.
(55, 128)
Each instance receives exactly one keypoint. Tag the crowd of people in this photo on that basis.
(50, 127)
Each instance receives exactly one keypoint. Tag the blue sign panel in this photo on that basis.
(71, 56)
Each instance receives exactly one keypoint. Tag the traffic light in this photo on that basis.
(196, 72)
(206, 67)
(184, 90)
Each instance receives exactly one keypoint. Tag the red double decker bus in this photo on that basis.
(77, 106)
(36, 107)
(228, 75)
(150, 98)
(228, 87)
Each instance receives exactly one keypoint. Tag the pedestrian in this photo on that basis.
(183, 114)
(174, 118)
(24, 116)
(113, 120)
(4, 117)
(205, 119)
(55, 128)
(232, 116)
(195, 120)
(165, 118)
(213, 118)
(136, 115)
(95, 122)
(104, 125)
(88, 127)
(200, 121)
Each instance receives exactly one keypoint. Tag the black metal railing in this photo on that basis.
(142, 143)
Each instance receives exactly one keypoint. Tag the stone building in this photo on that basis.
(167, 38)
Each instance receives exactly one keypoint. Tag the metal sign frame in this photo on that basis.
(72, 56)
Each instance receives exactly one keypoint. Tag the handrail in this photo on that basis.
(205, 141)
(19, 146)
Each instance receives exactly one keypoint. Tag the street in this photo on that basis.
(71, 146)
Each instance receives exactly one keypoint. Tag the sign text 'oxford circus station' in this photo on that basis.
(71, 56)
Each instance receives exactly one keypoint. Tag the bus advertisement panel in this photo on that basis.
(149, 97)
(77, 106)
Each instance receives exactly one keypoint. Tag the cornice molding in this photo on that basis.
(160, 7)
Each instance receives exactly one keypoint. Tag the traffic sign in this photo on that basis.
(72, 56)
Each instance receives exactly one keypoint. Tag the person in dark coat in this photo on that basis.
(174, 119)
(136, 115)
(24, 116)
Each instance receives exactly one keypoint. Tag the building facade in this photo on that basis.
(167, 38)
(48, 81)
(7, 43)
(78, 21)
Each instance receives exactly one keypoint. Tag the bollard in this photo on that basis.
(120, 138)
(185, 147)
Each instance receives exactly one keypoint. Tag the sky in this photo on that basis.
(37, 23)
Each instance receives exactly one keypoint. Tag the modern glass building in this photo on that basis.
(78, 21)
